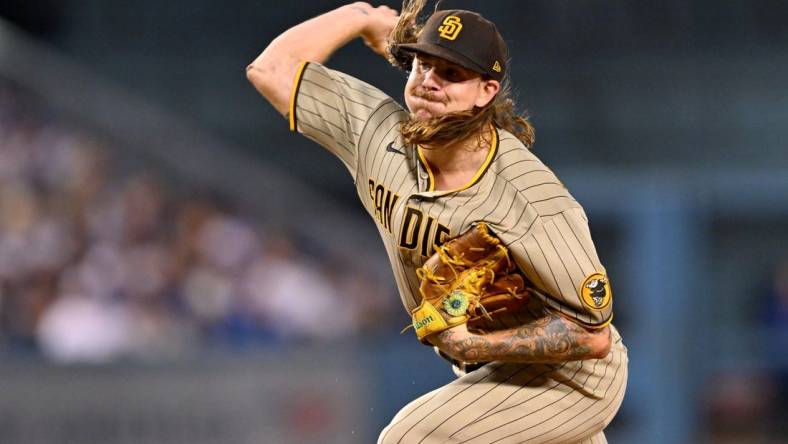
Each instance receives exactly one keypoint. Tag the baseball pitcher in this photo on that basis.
(492, 255)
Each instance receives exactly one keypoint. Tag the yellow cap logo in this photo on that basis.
(497, 67)
(450, 28)
(596, 292)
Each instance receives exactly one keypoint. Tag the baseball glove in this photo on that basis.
(469, 277)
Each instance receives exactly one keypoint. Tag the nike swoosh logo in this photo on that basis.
(390, 148)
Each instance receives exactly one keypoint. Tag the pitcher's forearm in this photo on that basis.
(552, 339)
(317, 38)
(273, 71)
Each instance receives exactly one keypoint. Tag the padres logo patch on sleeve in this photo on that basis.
(595, 291)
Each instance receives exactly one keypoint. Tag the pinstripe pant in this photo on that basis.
(518, 403)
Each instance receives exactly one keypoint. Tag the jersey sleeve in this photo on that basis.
(331, 108)
(558, 256)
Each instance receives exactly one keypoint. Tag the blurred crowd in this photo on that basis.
(100, 262)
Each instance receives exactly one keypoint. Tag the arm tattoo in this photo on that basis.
(550, 339)
(356, 8)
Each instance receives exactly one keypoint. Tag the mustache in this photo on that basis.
(426, 94)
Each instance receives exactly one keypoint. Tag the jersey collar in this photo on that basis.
(430, 186)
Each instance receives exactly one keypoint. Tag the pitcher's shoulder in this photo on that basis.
(514, 158)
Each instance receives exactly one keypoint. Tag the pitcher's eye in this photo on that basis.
(453, 74)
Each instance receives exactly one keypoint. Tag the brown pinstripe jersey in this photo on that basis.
(521, 199)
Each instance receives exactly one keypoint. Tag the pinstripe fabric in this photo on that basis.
(596, 439)
(526, 205)
(518, 403)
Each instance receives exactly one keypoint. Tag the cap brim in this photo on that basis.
(444, 53)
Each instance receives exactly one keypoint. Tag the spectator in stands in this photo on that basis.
(96, 265)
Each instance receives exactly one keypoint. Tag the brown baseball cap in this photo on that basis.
(465, 38)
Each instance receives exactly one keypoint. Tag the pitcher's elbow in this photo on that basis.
(254, 74)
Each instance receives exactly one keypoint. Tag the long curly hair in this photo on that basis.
(454, 127)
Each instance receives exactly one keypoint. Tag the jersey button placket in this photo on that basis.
(423, 178)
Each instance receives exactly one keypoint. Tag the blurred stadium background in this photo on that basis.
(176, 267)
